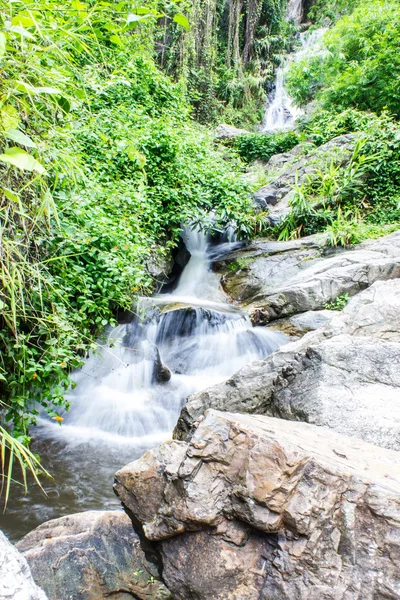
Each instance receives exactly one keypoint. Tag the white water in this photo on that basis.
(119, 409)
(199, 337)
(281, 112)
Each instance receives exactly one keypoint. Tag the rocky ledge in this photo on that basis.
(256, 508)
(278, 279)
(345, 375)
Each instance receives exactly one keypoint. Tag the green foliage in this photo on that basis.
(343, 199)
(100, 164)
(339, 303)
(361, 64)
(261, 146)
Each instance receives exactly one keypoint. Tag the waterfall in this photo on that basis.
(281, 112)
(191, 334)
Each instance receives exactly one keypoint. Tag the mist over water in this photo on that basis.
(123, 403)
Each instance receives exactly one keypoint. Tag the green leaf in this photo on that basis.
(132, 18)
(21, 159)
(115, 39)
(20, 138)
(9, 118)
(21, 31)
(23, 20)
(23, 86)
(3, 41)
(10, 195)
(182, 21)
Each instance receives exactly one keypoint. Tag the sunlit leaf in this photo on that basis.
(21, 31)
(23, 86)
(3, 41)
(115, 39)
(23, 21)
(9, 118)
(182, 21)
(10, 195)
(20, 138)
(132, 17)
(22, 160)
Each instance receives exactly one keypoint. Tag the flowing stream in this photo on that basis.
(281, 112)
(129, 394)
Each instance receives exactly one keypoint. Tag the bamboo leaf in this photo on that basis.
(21, 31)
(20, 138)
(22, 160)
(27, 88)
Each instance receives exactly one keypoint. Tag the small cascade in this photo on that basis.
(281, 112)
(191, 334)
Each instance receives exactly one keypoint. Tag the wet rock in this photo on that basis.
(274, 280)
(158, 265)
(276, 195)
(227, 132)
(16, 582)
(91, 555)
(344, 376)
(256, 508)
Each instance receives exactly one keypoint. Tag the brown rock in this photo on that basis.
(91, 556)
(256, 508)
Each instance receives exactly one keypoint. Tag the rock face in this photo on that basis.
(256, 508)
(277, 194)
(91, 556)
(279, 279)
(16, 582)
(227, 132)
(345, 375)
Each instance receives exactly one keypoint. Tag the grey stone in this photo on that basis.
(16, 582)
(91, 556)
(273, 283)
(345, 375)
(228, 132)
(256, 508)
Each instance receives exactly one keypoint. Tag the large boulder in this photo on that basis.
(16, 582)
(256, 508)
(91, 556)
(278, 279)
(345, 375)
(276, 195)
(228, 132)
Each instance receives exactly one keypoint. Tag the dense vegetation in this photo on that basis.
(100, 163)
(353, 81)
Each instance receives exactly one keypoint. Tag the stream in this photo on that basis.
(124, 403)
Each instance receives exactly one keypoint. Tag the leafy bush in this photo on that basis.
(261, 146)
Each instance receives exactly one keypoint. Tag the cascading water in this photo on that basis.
(128, 395)
(281, 112)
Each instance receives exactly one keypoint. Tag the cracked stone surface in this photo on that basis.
(16, 581)
(344, 376)
(91, 556)
(275, 280)
(257, 508)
